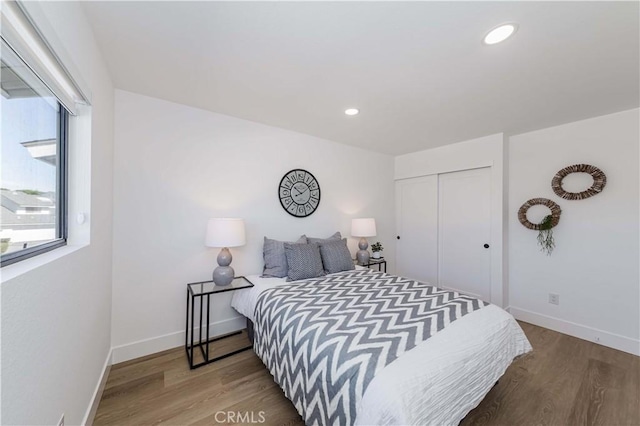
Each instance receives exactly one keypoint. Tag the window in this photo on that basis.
(33, 147)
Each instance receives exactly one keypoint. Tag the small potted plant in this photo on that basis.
(376, 248)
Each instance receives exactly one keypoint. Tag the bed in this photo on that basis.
(364, 347)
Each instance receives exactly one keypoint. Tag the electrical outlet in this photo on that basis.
(61, 421)
(554, 299)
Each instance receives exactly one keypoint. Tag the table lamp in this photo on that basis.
(224, 233)
(363, 227)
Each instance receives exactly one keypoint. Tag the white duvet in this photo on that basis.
(439, 381)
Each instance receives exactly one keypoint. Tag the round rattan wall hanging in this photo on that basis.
(599, 181)
(555, 212)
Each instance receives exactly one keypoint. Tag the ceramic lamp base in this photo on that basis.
(224, 274)
(362, 256)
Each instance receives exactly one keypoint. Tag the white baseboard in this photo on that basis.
(605, 338)
(172, 340)
(90, 414)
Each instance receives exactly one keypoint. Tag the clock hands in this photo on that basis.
(299, 192)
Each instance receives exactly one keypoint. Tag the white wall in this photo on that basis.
(482, 152)
(56, 308)
(594, 267)
(177, 166)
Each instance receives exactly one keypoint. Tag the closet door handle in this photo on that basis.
(486, 246)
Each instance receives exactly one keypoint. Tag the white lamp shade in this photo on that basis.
(363, 227)
(225, 232)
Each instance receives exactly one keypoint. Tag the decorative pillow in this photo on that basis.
(275, 261)
(334, 237)
(304, 261)
(336, 256)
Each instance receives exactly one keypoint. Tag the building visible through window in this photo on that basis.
(32, 178)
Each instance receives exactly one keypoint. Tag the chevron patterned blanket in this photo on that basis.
(324, 339)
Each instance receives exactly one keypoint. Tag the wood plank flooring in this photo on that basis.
(565, 381)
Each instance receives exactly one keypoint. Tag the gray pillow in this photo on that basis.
(304, 261)
(334, 237)
(275, 261)
(336, 256)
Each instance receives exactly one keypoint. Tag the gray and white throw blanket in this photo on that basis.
(324, 339)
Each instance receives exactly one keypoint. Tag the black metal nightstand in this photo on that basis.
(202, 291)
(380, 262)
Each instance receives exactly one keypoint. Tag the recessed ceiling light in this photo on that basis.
(500, 33)
(352, 111)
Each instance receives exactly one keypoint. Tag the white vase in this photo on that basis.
(376, 255)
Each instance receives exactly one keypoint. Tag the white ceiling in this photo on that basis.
(418, 72)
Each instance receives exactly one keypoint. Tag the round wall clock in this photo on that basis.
(299, 193)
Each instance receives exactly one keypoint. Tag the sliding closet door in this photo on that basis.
(417, 228)
(464, 228)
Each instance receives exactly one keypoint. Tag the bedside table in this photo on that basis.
(380, 262)
(201, 292)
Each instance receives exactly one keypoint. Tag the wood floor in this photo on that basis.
(565, 381)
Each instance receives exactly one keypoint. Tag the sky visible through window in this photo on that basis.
(26, 119)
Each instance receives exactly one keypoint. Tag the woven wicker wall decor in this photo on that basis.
(599, 182)
(555, 212)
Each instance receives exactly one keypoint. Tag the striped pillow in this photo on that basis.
(275, 261)
(304, 261)
(336, 256)
(335, 237)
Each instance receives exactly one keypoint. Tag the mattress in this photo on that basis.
(440, 380)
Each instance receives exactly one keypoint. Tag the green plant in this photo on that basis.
(545, 235)
(4, 244)
(31, 191)
(376, 247)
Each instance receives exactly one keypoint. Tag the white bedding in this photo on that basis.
(244, 301)
(439, 381)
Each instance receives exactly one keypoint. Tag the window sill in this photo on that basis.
(23, 267)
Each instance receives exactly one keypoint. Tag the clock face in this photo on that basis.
(299, 193)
